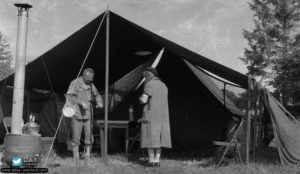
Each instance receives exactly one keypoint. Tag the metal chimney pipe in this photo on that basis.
(20, 62)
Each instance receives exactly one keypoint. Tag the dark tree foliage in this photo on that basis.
(5, 57)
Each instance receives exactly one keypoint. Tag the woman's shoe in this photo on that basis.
(157, 164)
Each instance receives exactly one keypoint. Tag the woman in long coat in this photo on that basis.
(155, 129)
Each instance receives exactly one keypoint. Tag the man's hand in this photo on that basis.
(84, 105)
(142, 120)
(99, 102)
(70, 99)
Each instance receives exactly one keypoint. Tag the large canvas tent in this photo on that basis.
(199, 113)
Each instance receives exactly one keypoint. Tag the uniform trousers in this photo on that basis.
(77, 126)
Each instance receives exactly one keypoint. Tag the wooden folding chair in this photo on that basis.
(231, 142)
(136, 138)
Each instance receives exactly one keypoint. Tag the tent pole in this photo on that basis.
(224, 93)
(260, 126)
(106, 85)
(255, 130)
(248, 121)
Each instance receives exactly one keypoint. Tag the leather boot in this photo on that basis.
(87, 152)
(75, 152)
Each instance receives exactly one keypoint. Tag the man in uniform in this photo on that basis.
(82, 93)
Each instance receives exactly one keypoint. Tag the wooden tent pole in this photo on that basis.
(255, 125)
(260, 125)
(248, 140)
(106, 85)
(224, 94)
(254, 142)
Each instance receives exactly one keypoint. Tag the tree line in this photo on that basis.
(5, 57)
(273, 52)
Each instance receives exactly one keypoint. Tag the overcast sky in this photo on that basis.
(212, 28)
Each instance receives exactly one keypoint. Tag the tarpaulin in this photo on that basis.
(286, 130)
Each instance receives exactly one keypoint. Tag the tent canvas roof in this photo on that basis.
(63, 61)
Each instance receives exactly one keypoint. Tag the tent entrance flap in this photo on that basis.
(213, 88)
(120, 89)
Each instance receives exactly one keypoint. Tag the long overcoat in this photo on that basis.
(155, 133)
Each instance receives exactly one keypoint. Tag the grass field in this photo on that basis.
(119, 164)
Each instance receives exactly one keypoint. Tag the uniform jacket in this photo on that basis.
(81, 92)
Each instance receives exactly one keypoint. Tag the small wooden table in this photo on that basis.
(113, 124)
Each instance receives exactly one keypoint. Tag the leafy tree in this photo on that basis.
(274, 45)
(5, 57)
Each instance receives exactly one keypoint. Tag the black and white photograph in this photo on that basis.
(150, 86)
